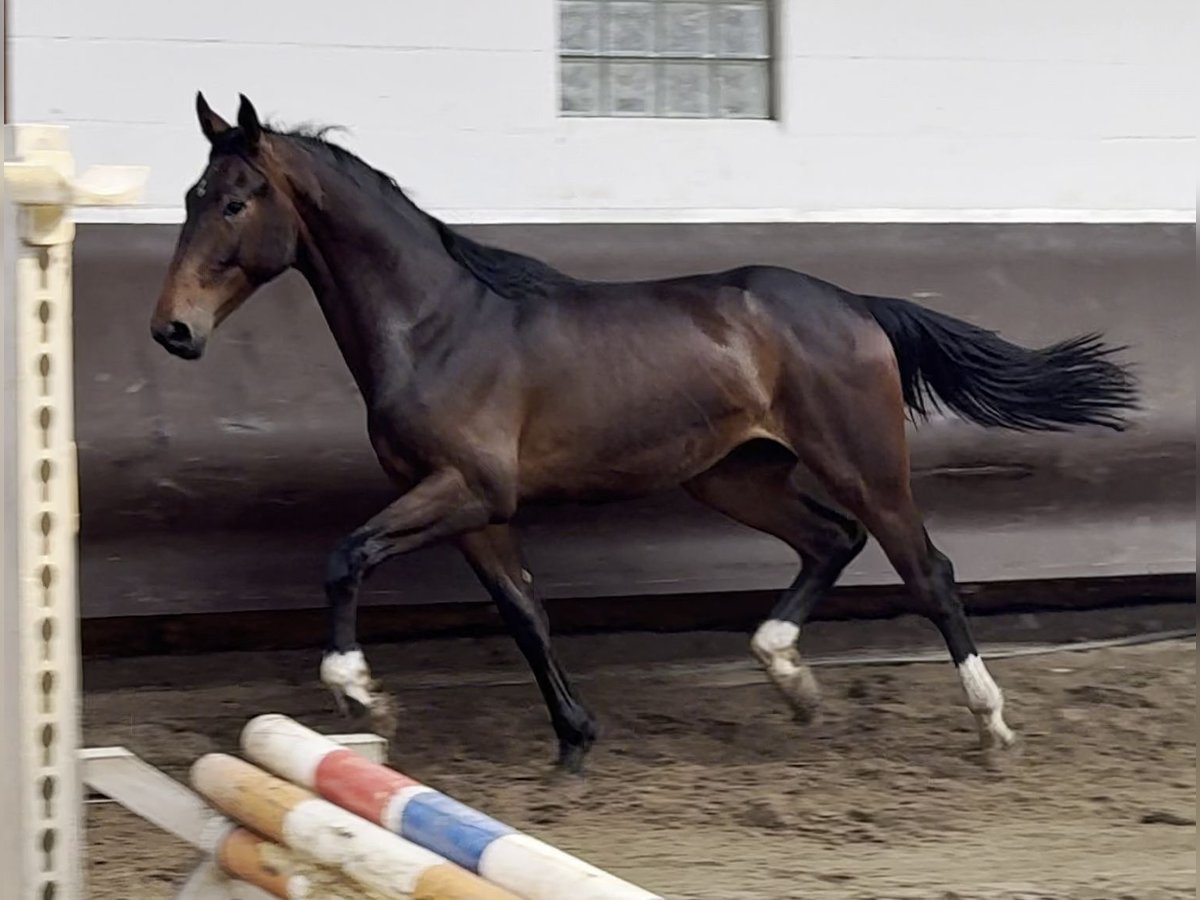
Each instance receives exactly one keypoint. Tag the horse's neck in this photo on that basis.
(377, 272)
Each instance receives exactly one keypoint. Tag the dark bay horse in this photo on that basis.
(491, 381)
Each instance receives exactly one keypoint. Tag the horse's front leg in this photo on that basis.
(495, 556)
(439, 506)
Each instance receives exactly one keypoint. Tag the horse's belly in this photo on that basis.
(628, 463)
(640, 423)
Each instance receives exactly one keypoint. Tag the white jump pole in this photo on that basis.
(40, 810)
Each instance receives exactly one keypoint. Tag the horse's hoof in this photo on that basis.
(351, 707)
(994, 734)
(803, 695)
(1009, 742)
(339, 700)
(999, 756)
(570, 759)
(356, 693)
(385, 715)
(807, 716)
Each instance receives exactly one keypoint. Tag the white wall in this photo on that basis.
(892, 110)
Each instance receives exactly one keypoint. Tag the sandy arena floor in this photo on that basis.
(702, 785)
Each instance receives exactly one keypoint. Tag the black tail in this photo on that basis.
(988, 380)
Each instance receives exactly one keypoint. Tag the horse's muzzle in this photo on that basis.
(178, 339)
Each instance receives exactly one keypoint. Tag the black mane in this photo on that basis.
(511, 275)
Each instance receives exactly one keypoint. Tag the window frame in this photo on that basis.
(769, 61)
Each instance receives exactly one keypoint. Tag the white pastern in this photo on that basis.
(347, 674)
(986, 701)
(775, 646)
(772, 641)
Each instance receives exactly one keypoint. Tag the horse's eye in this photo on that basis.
(233, 207)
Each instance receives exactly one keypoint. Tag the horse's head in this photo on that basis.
(240, 232)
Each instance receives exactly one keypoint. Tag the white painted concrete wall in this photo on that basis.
(890, 109)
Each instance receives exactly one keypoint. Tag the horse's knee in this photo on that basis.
(339, 567)
(345, 564)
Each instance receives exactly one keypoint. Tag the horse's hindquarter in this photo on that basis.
(631, 388)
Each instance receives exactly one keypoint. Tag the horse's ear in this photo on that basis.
(211, 124)
(248, 121)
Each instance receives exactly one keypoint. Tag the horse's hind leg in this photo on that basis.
(860, 453)
(757, 486)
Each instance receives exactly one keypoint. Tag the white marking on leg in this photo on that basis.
(774, 643)
(986, 701)
(773, 637)
(348, 674)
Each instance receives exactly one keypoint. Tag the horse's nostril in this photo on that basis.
(177, 338)
(178, 333)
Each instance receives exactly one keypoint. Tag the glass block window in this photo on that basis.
(666, 58)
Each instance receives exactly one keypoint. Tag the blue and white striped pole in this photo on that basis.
(500, 854)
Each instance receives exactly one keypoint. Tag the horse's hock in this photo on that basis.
(261, 459)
